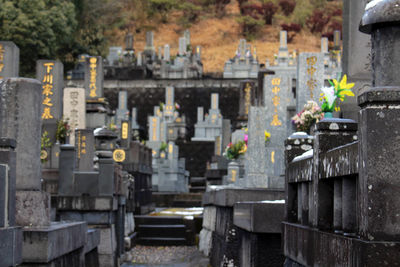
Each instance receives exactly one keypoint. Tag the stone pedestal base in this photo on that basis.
(32, 208)
(59, 244)
(10, 246)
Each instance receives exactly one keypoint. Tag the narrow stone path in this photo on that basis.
(168, 256)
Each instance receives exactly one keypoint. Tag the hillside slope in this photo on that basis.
(219, 38)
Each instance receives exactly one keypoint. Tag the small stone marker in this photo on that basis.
(169, 101)
(84, 144)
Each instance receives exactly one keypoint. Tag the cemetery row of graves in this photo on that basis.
(126, 150)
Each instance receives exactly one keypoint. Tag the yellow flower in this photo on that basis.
(243, 149)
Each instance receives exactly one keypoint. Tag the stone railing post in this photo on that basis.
(329, 133)
(296, 145)
(379, 150)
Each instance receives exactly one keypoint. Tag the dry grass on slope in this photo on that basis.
(219, 39)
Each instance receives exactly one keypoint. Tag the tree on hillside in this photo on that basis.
(252, 19)
(287, 6)
(269, 10)
(41, 29)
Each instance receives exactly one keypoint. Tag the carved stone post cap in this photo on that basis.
(336, 124)
(380, 13)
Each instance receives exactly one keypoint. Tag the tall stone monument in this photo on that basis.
(75, 110)
(94, 77)
(310, 78)
(9, 60)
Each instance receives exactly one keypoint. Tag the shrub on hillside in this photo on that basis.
(317, 21)
(287, 6)
(269, 10)
(250, 26)
(292, 29)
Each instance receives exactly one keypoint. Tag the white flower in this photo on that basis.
(329, 93)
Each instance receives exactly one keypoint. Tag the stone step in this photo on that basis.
(186, 203)
(146, 219)
(165, 230)
(162, 241)
(198, 181)
(197, 189)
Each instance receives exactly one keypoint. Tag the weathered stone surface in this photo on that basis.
(108, 243)
(227, 197)
(10, 246)
(205, 241)
(9, 60)
(20, 112)
(42, 245)
(310, 78)
(92, 240)
(84, 145)
(260, 216)
(209, 217)
(308, 246)
(74, 109)
(32, 208)
(86, 203)
(255, 166)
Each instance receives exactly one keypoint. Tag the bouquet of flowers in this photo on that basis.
(267, 136)
(63, 130)
(338, 90)
(233, 151)
(310, 114)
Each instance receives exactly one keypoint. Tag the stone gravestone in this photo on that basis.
(276, 92)
(182, 46)
(255, 155)
(356, 45)
(186, 34)
(149, 41)
(51, 74)
(154, 132)
(75, 110)
(20, 118)
(129, 42)
(94, 77)
(84, 145)
(246, 98)
(122, 111)
(134, 123)
(125, 133)
(166, 53)
(9, 60)
(114, 54)
(310, 78)
(169, 101)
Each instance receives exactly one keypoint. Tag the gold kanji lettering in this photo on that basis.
(275, 100)
(311, 60)
(276, 121)
(276, 89)
(48, 78)
(46, 102)
(83, 151)
(47, 89)
(46, 114)
(93, 93)
(49, 66)
(1, 66)
(276, 81)
(311, 71)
